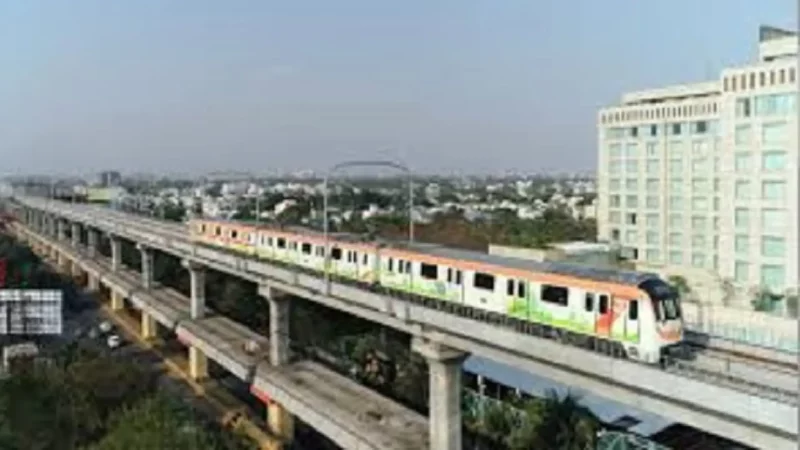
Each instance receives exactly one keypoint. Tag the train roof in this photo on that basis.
(627, 277)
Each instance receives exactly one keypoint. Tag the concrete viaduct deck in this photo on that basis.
(713, 402)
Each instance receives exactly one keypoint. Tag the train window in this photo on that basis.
(234, 234)
(336, 253)
(603, 306)
(354, 257)
(429, 271)
(281, 243)
(320, 251)
(263, 240)
(520, 289)
(510, 288)
(269, 241)
(218, 231)
(408, 267)
(555, 294)
(390, 265)
(633, 310)
(458, 277)
(589, 302)
(203, 228)
(306, 248)
(484, 281)
(365, 259)
(449, 275)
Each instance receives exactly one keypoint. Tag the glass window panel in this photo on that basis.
(652, 185)
(615, 150)
(614, 217)
(773, 247)
(675, 257)
(675, 239)
(632, 201)
(631, 236)
(652, 149)
(742, 161)
(675, 221)
(675, 149)
(699, 185)
(699, 203)
(773, 190)
(774, 133)
(741, 271)
(741, 244)
(631, 150)
(652, 201)
(698, 260)
(676, 185)
(742, 189)
(675, 167)
(651, 220)
(632, 166)
(699, 164)
(698, 241)
(699, 223)
(631, 184)
(773, 160)
(614, 184)
(653, 255)
(743, 134)
(653, 167)
(741, 218)
(675, 202)
(773, 277)
(773, 220)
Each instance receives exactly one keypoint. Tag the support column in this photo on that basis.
(117, 302)
(76, 234)
(444, 366)
(198, 364)
(116, 253)
(148, 326)
(147, 265)
(197, 278)
(279, 420)
(62, 230)
(93, 238)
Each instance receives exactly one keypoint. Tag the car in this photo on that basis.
(105, 326)
(114, 341)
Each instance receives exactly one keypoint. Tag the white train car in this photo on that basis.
(636, 314)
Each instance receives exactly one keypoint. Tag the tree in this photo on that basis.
(763, 299)
(157, 422)
(728, 291)
(792, 300)
(680, 284)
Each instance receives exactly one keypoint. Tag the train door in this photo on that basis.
(589, 312)
(619, 307)
(517, 298)
(632, 322)
(604, 316)
(455, 291)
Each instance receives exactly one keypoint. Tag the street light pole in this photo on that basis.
(347, 164)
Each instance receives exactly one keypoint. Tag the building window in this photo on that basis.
(614, 201)
(615, 150)
(631, 150)
(614, 217)
(653, 255)
(675, 221)
(632, 166)
(631, 184)
(630, 218)
(776, 105)
(742, 134)
(698, 223)
(651, 202)
(741, 244)
(652, 238)
(651, 220)
(773, 190)
(675, 240)
(698, 260)
(741, 271)
(676, 129)
(652, 149)
(614, 184)
(675, 202)
(773, 220)
(773, 160)
(675, 185)
(742, 189)
(742, 161)
(774, 133)
(675, 257)
(699, 164)
(700, 186)
(631, 236)
(742, 107)
(634, 132)
(699, 203)
(632, 201)
(615, 167)
(652, 185)
(773, 277)
(700, 127)
(698, 241)
(741, 218)
(773, 247)
(699, 147)
(653, 130)
(653, 167)
(675, 167)
(675, 148)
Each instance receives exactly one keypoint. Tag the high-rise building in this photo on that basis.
(109, 179)
(702, 179)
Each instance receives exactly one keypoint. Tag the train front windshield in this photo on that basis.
(666, 303)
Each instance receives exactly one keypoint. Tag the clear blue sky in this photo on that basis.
(200, 85)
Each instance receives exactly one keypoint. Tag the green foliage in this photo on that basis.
(157, 422)
(680, 284)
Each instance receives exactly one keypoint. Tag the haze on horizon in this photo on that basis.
(450, 85)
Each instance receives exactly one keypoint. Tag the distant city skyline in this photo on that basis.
(449, 86)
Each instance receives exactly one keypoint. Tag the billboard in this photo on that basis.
(30, 311)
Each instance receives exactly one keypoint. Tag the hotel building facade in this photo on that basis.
(701, 180)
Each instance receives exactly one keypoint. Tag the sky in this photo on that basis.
(196, 86)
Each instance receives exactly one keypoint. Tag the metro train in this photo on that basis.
(630, 314)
